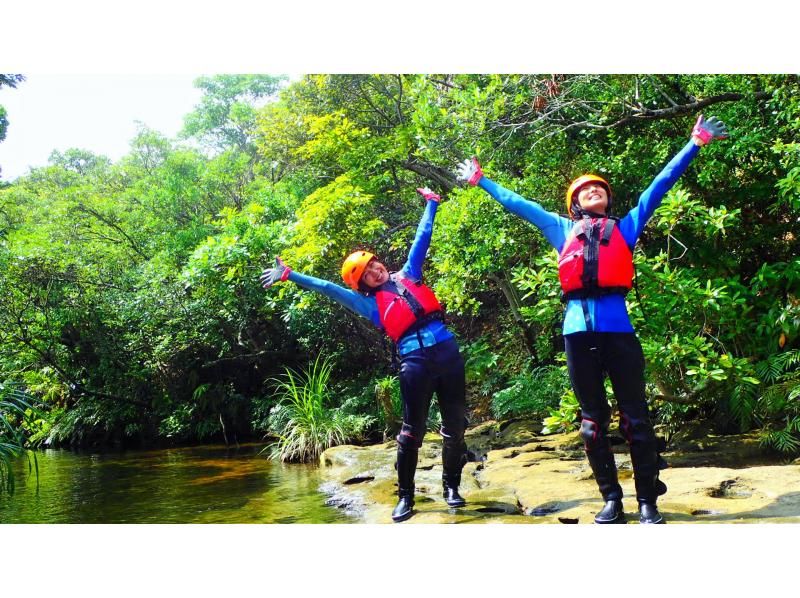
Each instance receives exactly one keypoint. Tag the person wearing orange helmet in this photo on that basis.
(595, 268)
(430, 361)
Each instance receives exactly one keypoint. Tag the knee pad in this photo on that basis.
(639, 431)
(591, 432)
(409, 437)
(450, 433)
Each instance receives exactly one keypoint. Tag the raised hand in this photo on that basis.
(278, 273)
(428, 194)
(470, 171)
(705, 131)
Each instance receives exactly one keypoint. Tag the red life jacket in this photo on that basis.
(595, 260)
(405, 305)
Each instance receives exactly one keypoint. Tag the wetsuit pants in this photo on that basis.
(438, 369)
(590, 356)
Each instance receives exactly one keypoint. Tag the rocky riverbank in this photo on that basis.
(524, 477)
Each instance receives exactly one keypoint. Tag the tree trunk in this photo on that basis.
(514, 302)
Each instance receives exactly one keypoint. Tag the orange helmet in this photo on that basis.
(580, 182)
(354, 266)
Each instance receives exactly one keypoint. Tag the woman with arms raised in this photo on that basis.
(595, 268)
(430, 361)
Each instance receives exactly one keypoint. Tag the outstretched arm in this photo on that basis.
(634, 222)
(355, 302)
(553, 227)
(422, 240)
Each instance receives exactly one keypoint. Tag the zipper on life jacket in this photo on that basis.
(590, 264)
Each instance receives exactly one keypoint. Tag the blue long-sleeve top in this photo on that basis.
(367, 306)
(608, 313)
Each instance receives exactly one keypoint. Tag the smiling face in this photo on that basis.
(593, 197)
(375, 274)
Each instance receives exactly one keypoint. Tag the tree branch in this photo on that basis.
(687, 399)
(369, 101)
(440, 176)
(244, 358)
(445, 84)
(676, 110)
(391, 231)
(86, 210)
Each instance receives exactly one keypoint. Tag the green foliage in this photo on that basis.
(226, 114)
(15, 409)
(565, 417)
(387, 394)
(481, 365)
(778, 405)
(127, 286)
(330, 221)
(303, 422)
(466, 258)
(784, 440)
(9, 81)
(532, 394)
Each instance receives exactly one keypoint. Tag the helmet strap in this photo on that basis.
(578, 212)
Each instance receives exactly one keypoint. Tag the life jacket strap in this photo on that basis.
(586, 318)
(607, 230)
(416, 327)
(415, 305)
(594, 293)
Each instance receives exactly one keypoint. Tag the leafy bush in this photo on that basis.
(482, 369)
(565, 417)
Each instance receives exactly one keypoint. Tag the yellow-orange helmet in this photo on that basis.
(354, 266)
(580, 182)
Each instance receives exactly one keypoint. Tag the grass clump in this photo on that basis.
(302, 419)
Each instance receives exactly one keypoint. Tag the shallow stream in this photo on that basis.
(204, 484)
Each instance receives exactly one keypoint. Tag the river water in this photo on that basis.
(205, 484)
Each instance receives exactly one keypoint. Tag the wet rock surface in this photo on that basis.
(522, 477)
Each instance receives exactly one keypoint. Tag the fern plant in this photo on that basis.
(778, 406)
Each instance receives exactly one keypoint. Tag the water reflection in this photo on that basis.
(208, 484)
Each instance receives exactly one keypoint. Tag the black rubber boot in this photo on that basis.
(406, 468)
(648, 513)
(601, 460)
(646, 466)
(405, 506)
(454, 456)
(661, 487)
(605, 474)
(612, 512)
(450, 484)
